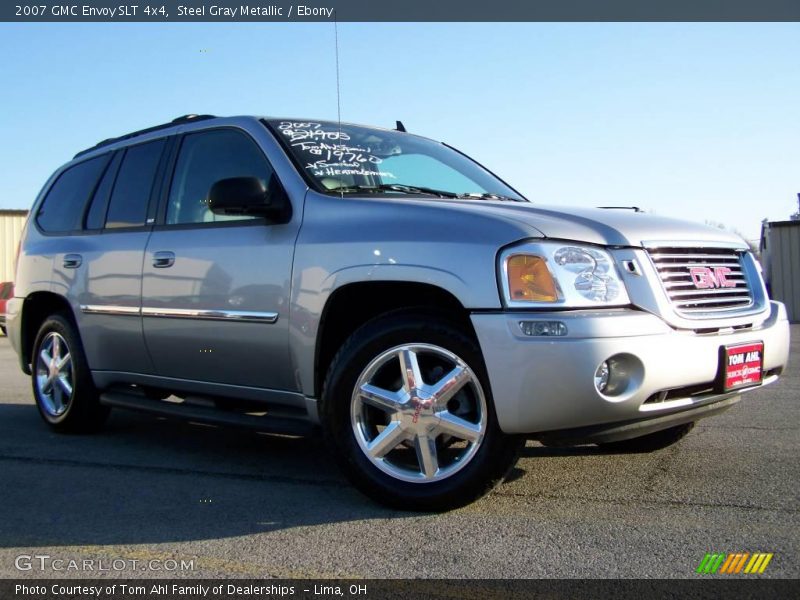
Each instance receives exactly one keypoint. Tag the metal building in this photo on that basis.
(11, 224)
(780, 258)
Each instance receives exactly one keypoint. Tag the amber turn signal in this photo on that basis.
(529, 279)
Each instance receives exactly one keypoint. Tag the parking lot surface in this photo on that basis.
(149, 491)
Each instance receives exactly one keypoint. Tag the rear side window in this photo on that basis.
(63, 207)
(131, 195)
(204, 159)
(96, 216)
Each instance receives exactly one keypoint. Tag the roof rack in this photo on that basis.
(127, 136)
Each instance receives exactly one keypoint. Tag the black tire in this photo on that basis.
(3, 329)
(82, 411)
(492, 457)
(651, 442)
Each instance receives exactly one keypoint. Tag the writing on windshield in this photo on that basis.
(351, 159)
(330, 153)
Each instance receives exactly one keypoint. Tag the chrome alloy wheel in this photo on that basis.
(54, 375)
(419, 413)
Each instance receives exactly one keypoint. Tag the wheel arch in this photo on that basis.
(36, 308)
(354, 304)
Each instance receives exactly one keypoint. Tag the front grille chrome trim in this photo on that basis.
(697, 293)
(672, 264)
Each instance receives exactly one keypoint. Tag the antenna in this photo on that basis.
(338, 93)
(400, 126)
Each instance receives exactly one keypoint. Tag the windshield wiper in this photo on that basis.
(488, 196)
(418, 189)
(393, 187)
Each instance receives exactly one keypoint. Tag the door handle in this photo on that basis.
(162, 260)
(72, 261)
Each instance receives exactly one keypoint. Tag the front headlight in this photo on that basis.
(553, 274)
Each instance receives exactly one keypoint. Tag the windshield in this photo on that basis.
(351, 159)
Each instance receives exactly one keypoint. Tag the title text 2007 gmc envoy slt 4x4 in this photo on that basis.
(285, 275)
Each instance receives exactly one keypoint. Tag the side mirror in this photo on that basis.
(248, 196)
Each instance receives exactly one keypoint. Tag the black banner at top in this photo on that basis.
(159, 11)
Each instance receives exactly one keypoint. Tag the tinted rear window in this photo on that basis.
(63, 207)
(96, 216)
(131, 195)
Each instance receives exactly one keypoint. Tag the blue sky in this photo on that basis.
(700, 121)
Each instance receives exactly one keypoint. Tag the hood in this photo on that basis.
(608, 227)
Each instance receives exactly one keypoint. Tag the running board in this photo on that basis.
(207, 415)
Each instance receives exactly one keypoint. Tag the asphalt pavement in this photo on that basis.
(147, 491)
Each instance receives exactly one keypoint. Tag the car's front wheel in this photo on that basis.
(62, 384)
(409, 412)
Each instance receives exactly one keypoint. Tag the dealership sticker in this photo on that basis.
(743, 365)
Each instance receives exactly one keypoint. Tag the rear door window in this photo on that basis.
(63, 207)
(133, 186)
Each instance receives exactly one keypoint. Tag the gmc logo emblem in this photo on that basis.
(707, 278)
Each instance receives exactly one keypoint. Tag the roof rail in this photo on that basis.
(177, 121)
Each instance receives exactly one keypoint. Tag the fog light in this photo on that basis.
(543, 328)
(618, 377)
(601, 377)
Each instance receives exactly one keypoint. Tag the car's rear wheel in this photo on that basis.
(408, 410)
(62, 384)
(651, 442)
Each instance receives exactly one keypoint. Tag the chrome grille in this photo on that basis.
(674, 266)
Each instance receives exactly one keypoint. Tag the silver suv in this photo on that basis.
(284, 275)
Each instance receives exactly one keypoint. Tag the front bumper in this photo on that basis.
(546, 384)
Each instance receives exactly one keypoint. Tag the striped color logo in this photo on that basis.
(732, 564)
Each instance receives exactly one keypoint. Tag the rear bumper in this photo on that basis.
(14, 327)
(546, 384)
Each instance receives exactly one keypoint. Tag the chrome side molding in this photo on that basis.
(239, 316)
(109, 309)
